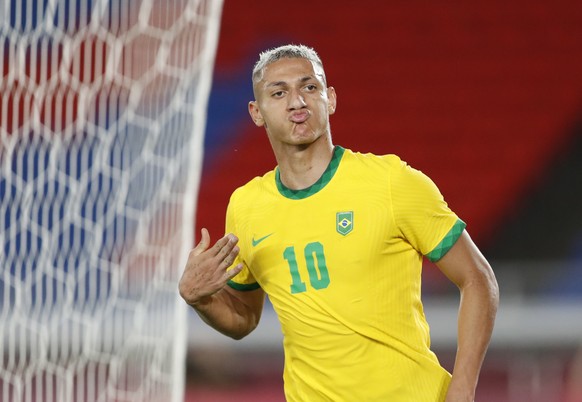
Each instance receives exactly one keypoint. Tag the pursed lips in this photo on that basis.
(299, 116)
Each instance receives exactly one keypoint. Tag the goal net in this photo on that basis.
(102, 114)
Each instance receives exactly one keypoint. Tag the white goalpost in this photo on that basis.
(102, 117)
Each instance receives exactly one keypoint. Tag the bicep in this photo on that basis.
(252, 300)
(464, 264)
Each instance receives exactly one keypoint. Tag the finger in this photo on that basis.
(204, 242)
(231, 273)
(230, 258)
(224, 246)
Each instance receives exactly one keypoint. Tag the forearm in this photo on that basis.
(224, 312)
(477, 310)
(204, 286)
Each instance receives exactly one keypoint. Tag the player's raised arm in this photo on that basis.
(203, 286)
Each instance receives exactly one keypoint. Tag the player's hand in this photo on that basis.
(206, 270)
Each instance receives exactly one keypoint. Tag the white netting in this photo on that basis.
(102, 113)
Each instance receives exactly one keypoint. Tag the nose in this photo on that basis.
(296, 100)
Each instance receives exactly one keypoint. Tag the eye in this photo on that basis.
(278, 94)
(311, 87)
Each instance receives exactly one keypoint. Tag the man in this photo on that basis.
(336, 239)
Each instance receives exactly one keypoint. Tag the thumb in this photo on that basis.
(204, 242)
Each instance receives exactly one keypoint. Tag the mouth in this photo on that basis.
(300, 116)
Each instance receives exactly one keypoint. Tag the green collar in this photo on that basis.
(318, 185)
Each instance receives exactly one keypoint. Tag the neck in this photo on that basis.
(301, 166)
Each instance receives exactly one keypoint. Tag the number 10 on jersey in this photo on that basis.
(316, 267)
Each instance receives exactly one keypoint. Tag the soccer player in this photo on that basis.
(336, 239)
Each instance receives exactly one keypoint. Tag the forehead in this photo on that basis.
(289, 70)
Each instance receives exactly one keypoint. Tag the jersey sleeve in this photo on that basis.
(244, 280)
(421, 214)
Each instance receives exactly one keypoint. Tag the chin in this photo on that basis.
(304, 141)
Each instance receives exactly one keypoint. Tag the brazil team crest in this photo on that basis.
(344, 222)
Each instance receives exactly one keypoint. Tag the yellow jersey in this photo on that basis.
(341, 263)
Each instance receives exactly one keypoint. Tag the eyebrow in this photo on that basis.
(284, 83)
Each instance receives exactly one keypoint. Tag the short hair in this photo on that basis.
(286, 51)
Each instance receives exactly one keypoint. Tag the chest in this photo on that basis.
(329, 244)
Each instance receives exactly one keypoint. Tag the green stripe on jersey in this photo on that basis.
(243, 287)
(445, 245)
(318, 185)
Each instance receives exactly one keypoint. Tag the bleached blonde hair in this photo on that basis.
(287, 51)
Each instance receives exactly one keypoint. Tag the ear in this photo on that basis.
(255, 113)
(331, 100)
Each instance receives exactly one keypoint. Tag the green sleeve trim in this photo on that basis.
(448, 241)
(243, 287)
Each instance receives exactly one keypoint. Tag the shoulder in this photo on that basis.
(388, 168)
(254, 188)
(387, 162)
